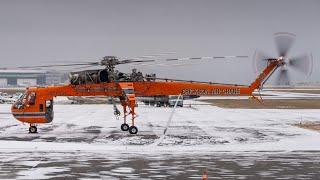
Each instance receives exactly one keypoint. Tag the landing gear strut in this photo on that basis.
(33, 129)
(130, 104)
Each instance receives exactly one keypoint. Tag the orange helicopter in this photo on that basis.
(35, 106)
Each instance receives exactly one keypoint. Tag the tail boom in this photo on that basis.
(265, 74)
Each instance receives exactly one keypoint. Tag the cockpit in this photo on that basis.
(25, 99)
(28, 107)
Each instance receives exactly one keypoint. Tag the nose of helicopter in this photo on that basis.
(23, 115)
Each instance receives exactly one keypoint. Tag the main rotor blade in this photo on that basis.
(58, 65)
(85, 67)
(302, 63)
(260, 61)
(204, 58)
(187, 58)
(127, 61)
(284, 41)
(155, 55)
(169, 65)
(283, 77)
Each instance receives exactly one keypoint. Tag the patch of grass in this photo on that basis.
(309, 125)
(267, 103)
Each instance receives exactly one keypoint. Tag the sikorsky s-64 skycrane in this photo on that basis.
(35, 106)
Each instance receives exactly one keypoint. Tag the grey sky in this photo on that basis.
(37, 32)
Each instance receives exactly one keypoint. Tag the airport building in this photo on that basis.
(24, 78)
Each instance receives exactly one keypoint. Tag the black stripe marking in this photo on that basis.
(35, 114)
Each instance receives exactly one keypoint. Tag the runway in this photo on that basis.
(98, 165)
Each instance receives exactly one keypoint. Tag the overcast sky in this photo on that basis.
(38, 32)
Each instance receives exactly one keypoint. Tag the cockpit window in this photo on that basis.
(49, 103)
(21, 101)
(32, 98)
(24, 100)
(20, 97)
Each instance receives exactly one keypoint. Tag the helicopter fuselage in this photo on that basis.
(35, 106)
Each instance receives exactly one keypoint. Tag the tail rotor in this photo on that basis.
(284, 41)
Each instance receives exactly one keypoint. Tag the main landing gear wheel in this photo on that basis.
(124, 127)
(33, 129)
(133, 130)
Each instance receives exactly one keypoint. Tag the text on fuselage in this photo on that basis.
(216, 91)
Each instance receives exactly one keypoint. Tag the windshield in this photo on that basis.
(19, 104)
(20, 97)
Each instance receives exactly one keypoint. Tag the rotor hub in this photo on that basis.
(282, 61)
(109, 61)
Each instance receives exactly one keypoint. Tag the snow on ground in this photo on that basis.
(220, 165)
(202, 128)
(85, 141)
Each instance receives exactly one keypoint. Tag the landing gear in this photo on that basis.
(125, 127)
(128, 102)
(33, 129)
(133, 130)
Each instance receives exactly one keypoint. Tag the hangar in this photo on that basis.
(22, 78)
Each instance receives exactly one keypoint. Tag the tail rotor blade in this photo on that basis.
(260, 61)
(283, 77)
(284, 41)
(302, 63)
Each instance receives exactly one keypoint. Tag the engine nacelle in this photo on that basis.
(89, 77)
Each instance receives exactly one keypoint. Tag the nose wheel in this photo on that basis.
(33, 129)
